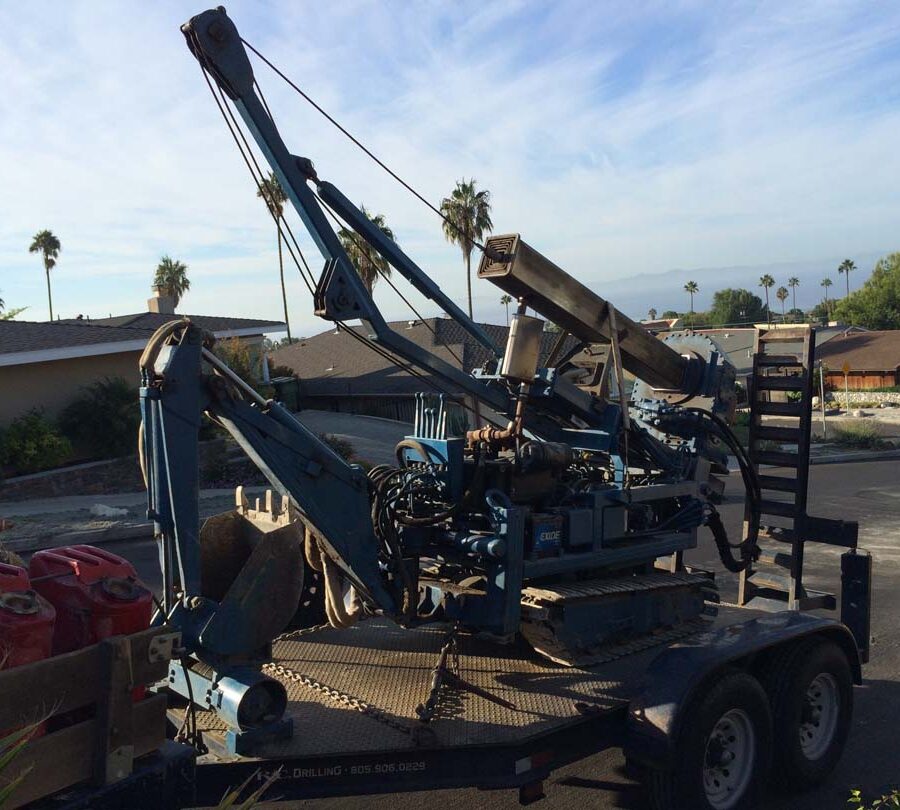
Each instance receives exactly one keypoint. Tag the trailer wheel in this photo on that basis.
(722, 749)
(810, 689)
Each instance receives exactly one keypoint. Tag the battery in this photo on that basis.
(546, 534)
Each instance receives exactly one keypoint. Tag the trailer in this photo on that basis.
(506, 718)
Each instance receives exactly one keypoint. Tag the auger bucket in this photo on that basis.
(252, 565)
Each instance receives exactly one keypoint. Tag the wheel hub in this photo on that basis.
(818, 721)
(729, 759)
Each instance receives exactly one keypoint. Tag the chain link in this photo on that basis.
(303, 631)
(340, 696)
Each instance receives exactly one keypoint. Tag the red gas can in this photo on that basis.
(26, 624)
(26, 620)
(96, 595)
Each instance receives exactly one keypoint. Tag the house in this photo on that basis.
(662, 325)
(340, 373)
(873, 360)
(738, 344)
(44, 364)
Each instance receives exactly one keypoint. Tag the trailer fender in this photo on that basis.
(677, 674)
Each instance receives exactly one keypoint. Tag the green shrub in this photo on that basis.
(32, 443)
(340, 446)
(891, 799)
(103, 420)
(862, 436)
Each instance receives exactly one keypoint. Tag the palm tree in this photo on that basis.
(782, 295)
(793, 283)
(690, 288)
(651, 314)
(171, 276)
(826, 283)
(467, 218)
(846, 268)
(766, 282)
(368, 262)
(271, 191)
(506, 300)
(45, 243)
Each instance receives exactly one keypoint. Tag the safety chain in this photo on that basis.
(303, 631)
(340, 696)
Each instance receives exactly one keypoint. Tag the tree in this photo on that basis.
(876, 305)
(690, 288)
(171, 276)
(273, 194)
(367, 261)
(651, 314)
(10, 314)
(826, 283)
(793, 283)
(467, 218)
(766, 281)
(845, 269)
(506, 300)
(782, 295)
(46, 243)
(731, 307)
(670, 313)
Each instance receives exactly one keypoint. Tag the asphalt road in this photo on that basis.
(866, 492)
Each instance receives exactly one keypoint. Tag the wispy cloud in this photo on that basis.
(618, 138)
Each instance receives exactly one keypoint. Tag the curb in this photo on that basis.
(93, 537)
(849, 458)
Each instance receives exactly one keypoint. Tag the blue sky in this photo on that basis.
(618, 138)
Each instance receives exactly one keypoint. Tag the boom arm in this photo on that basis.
(329, 492)
(340, 296)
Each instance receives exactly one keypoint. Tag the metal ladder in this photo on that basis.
(781, 369)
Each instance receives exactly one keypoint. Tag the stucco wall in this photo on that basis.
(52, 385)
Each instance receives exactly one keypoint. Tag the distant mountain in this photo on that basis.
(662, 291)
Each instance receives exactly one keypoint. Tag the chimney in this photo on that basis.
(161, 302)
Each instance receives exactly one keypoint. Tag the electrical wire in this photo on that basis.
(468, 237)
(365, 247)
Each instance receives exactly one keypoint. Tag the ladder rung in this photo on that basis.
(769, 579)
(779, 508)
(816, 600)
(777, 434)
(776, 558)
(778, 408)
(774, 458)
(778, 360)
(778, 483)
(780, 383)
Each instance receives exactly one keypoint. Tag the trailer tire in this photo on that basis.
(730, 718)
(810, 688)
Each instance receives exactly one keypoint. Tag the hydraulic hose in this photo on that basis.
(749, 551)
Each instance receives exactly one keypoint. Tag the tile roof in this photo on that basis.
(31, 336)
(864, 351)
(17, 337)
(212, 323)
(334, 364)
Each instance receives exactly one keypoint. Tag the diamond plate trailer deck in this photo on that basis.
(353, 695)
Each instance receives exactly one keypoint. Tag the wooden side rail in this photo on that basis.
(108, 730)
